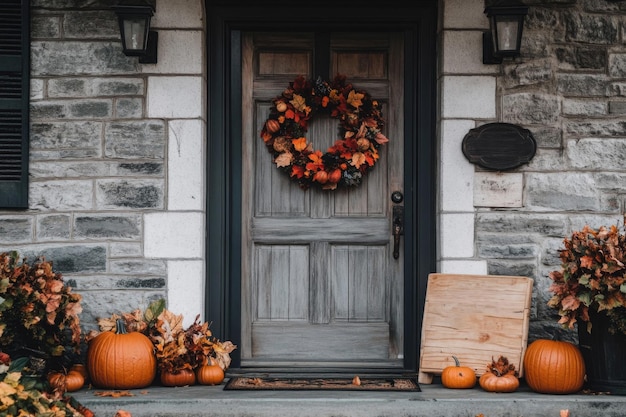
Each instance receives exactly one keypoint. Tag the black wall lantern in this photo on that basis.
(506, 22)
(137, 38)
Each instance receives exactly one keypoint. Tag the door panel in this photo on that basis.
(319, 282)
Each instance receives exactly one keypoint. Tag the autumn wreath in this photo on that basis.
(348, 160)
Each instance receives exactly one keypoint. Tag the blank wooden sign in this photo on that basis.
(475, 318)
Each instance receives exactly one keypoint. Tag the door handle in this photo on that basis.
(397, 225)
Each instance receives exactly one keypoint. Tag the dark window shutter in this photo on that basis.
(14, 102)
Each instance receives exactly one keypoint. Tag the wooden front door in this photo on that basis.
(320, 286)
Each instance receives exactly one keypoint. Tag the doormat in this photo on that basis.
(337, 384)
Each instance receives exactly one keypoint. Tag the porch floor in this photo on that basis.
(433, 401)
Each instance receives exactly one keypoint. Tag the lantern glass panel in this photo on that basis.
(135, 34)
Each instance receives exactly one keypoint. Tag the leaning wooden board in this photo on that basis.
(475, 318)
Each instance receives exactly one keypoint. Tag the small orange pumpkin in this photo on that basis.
(272, 125)
(458, 376)
(554, 367)
(81, 369)
(62, 382)
(500, 376)
(210, 374)
(120, 360)
(180, 378)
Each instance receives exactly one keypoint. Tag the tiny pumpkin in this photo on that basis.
(62, 382)
(458, 376)
(120, 360)
(210, 374)
(554, 367)
(500, 376)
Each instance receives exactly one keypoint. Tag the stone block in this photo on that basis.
(91, 109)
(595, 128)
(550, 225)
(498, 189)
(72, 258)
(97, 24)
(617, 107)
(129, 108)
(581, 84)
(469, 97)
(530, 108)
(135, 139)
(107, 226)
(68, 87)
(118, 87)
(457, 235)
(463, 52)
(535, 72)
(575, 57)
(138, 267)
(563, 191)
(186, 288)
(457, 173)
(60, 169)
(584, 107)
(53, 227)
(594, 153)
(468, 266)
(185, 165)
(174, 235)
(173, 97)
(45, 26)
(61, 195)
(174, 59)
(180, 14)
(49, 58)
(591, 28)
(135, 194)
(69, 135)
(125, 249)
(16, 229)
(152, 169)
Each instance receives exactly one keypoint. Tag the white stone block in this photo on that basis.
(174, 235)
(178, 14)
(176, 53)
(457, 235)
(464, 14)
(185, 289)
(185, 169)
(456, 172)
(463, 53)
(469, 97)
(498, 189)
(175, 97)
(464, 267)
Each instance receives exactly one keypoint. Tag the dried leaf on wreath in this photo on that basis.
(358, 159)
(354, 99)
(284, 159)
(107, 324)
(123, 413)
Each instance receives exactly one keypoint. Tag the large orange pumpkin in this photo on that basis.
(554, 367)
(120, 360)
(458, 376)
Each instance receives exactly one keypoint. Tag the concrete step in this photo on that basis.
(433, 401)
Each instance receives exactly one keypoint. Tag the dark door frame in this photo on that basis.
(225, 22)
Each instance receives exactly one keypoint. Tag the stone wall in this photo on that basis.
(569, 89)
(109, 136)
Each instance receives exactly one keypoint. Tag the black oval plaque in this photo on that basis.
(499, 146)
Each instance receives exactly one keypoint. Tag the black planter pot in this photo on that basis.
(605, 356)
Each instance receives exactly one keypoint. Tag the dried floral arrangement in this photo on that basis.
(176, 348)
(39, 314)
(592, 278)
